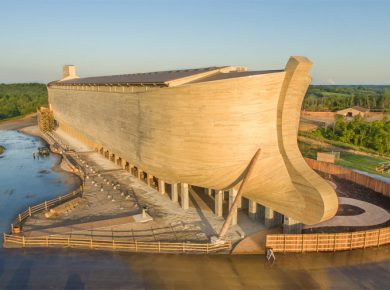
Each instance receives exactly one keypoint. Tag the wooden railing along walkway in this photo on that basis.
(111, 244)
(291, 243)
(17, 224)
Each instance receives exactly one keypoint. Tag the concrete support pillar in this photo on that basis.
(149, 179)
(232, 196)
(252, 209)
(185, 196)
(272, 218)
(291, 226)
(218, 201)
(233, 192)
(208, 191)
(175, 192)
(139, 174)
(161, 186)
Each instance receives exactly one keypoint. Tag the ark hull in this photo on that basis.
(205, 133)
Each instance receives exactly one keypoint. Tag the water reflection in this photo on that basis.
(25, 181)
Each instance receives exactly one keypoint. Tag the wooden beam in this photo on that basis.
(234, 207)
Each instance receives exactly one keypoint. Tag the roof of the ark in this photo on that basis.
(165, 78)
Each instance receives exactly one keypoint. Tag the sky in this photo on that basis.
(348, 41)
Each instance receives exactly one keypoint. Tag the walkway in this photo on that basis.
(170, 221)
(373, 215)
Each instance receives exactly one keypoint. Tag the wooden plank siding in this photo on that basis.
(205, 133)
(328, 242)
(348, 174)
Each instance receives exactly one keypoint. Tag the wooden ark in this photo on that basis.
(202, 127)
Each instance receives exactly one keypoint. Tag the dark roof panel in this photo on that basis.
(139, 78)
(234, 74)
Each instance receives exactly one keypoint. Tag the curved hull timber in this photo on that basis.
(205, 134)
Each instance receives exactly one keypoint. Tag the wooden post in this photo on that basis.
(29, 211)
(45, 205)
(136, 246)
(365, 238)
(234, 206)
(379, 236)
(12, 229)
(24, 242)
(20, 218)
(350, 246)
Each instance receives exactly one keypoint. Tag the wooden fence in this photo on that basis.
(328, 242)
(348, 174)
(111, 244)
(16, 226)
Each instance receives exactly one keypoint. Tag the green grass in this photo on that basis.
(2, 149)
(347, 159)
(361, 162)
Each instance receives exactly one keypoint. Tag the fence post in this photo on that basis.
(159, 247)
(113, 244)
(350, 246)
(379, 236)
(184, 247)
(24, 242)
(207, 248)
(29, 211)
(12, 228)
(302, 244)
(334, 243)
(365, 238)
(136, 246)
(45, 205)
(317, 244)
(91, 244)
(20, 218)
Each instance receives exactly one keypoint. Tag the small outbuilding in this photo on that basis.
(353, 111)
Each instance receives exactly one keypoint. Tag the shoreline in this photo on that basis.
(19, 122)
(61, 166)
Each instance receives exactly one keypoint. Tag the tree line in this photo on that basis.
(21, 99)
(372, 135)
(334, 98)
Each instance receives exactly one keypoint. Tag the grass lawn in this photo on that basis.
(361, 162)
(347, 159)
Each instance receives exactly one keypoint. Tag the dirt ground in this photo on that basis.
(16, 124)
